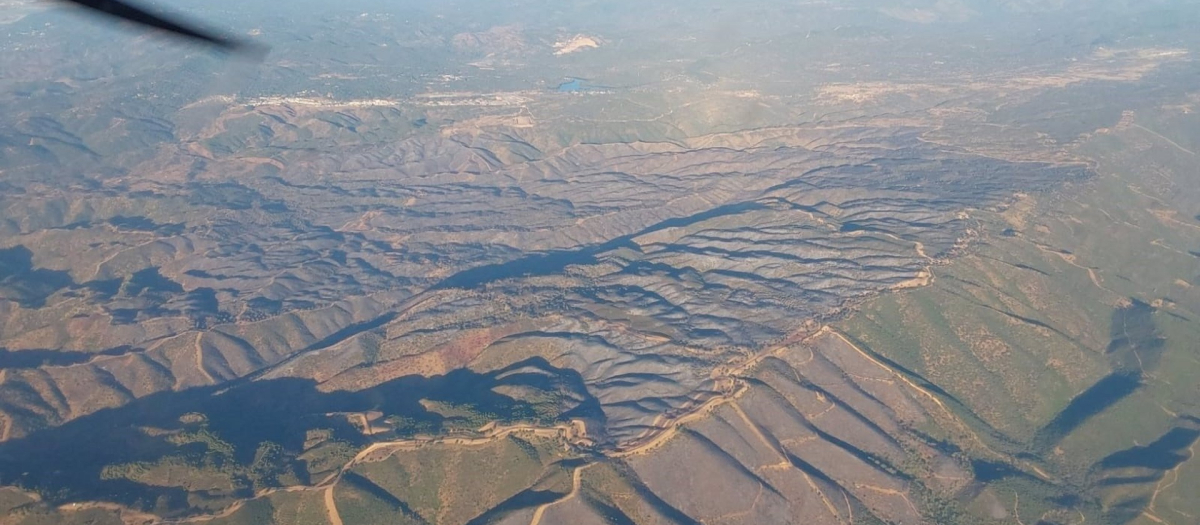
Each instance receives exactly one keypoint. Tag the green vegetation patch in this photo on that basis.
(455, 483)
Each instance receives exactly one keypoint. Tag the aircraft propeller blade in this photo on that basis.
(124, 11)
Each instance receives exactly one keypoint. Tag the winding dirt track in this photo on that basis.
(575, 432)
(729, 387)
(331, 507)
(728, 376)
(576, 483)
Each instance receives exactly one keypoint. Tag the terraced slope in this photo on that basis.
(748, 285)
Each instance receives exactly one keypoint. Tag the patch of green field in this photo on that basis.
(1074, 335)
(299, 508)
(254, 512)
(327, 458)
(453, 483)
(361, 502)
(85, 517)
(1140, 418)
(985, 332)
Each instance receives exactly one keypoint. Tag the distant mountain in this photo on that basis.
(917, 262)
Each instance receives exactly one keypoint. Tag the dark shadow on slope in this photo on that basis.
(231, 196)
(958, 407)
(360, 500)
(725, 457)
(989, 471)
(1129, 480)
(10, 359)
(1136, 343)
(1164, 454)
(371, 488)
(327, 341)
(1092, 401)
(653, 500)
(852, 411)
(975, 302)
(1135, 348)
(145, 224)
(827, 483)
(149, 281)
(25, 285)
(849, 227)
(1030, 268)
(1128, 510)
(879, 463)
(66, 463)
(525, 499)
(555, 262)
(610, 513)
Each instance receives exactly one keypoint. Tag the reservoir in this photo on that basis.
(572, 85)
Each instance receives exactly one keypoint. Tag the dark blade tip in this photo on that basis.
(125, 11)
(251, 51)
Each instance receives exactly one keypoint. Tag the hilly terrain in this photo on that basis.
(923, 262)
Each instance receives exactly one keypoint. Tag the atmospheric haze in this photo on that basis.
(462, 262)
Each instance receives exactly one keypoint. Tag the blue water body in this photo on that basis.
(571, 86)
